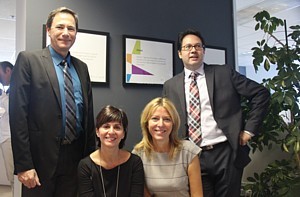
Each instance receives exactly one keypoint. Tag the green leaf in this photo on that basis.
(267, 65)
(296, 147)
(289, 100)
(281, 22)
(290, 140)
(285, 148)
(267, 15)
(283, 84)
(256, 26)
(251, 179)
(256, 176)
(258, 43)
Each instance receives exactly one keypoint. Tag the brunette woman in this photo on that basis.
(111, 171)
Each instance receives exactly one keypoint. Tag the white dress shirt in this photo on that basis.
(4, 118)
(211, 134)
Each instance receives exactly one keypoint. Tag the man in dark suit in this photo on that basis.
(45, 159)
(222, 131)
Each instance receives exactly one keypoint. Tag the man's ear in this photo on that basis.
(48, 31)
(179, 54)
(7, 70)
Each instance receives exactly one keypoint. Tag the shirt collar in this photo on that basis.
(188, 72)
(57, 58)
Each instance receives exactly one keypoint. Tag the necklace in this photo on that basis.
(103, 187)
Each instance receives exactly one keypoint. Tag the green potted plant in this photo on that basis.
(281, 127)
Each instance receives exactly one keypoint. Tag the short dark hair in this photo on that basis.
(5, 65)
(61, 10)
(181, 35)
(110, 114)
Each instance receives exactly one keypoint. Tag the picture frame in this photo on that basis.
(215, 55)
(92, 47)
(147, 61)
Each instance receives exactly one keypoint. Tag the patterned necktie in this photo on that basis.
(70, 128)
(194, 119)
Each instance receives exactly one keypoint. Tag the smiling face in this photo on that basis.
(160, 125)
(110, 134)
(62, 33)
(192, 59)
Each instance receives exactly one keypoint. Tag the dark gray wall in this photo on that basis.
(157, 18)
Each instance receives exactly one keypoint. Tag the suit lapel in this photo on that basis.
(180, 88)
(51, 73)
(209, 76)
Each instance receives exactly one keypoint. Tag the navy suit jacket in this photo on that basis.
(36, 114)
(225, 87)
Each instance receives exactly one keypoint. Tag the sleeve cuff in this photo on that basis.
(250, 133)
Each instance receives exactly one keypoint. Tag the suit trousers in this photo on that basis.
(64, 182)
(220, 178)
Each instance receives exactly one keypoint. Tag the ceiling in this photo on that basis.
(246, 36)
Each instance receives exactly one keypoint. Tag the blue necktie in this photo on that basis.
(70, 128)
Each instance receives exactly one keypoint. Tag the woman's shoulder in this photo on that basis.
(129, 157)
(135, 157)
(187, 143)
(190, 147)
(137, 151)
(133, 161)
(85, 162)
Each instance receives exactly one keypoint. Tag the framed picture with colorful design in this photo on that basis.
(147, 61)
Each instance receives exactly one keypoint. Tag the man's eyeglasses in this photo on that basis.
(189, 47)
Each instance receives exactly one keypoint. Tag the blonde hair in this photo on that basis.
(146, 144)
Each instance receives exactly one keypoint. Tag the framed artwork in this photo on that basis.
(92, 48)
(147, 61)
(215, 55)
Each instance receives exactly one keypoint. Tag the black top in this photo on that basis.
(131, 178)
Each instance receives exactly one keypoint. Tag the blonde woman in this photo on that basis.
(171, 165)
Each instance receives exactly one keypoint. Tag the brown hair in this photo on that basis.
(61, 10)
(110, 114)
(181, 35)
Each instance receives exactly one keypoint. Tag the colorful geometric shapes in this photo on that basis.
(138, 71)
(129, 58)
(137, 48)
(128, 77)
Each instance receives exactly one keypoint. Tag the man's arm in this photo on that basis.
(259, 98)
(18, 113)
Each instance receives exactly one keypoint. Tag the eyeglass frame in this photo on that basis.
(189, 47)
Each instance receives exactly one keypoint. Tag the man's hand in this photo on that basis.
(244, 138)
(29, 178)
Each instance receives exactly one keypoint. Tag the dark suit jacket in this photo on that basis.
(225, 87)
(36, 114)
